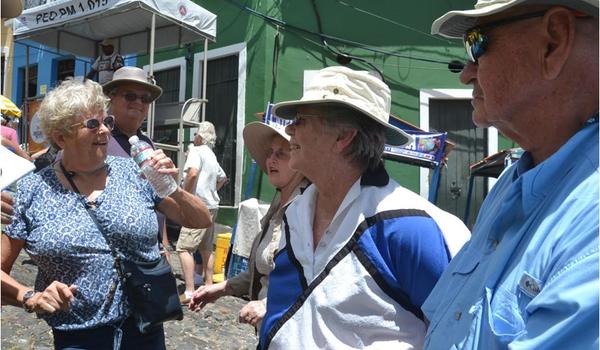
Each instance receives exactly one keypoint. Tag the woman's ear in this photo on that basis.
(58, 138)
(344, 139)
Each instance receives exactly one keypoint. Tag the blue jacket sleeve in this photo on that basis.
(421, 256)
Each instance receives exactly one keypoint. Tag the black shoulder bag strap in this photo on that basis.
(118, 335)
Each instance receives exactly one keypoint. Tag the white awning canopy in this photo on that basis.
(78, 26)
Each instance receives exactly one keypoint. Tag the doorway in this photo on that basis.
(450, 111)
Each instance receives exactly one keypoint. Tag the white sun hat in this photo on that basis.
(455, 23)
(358, 90)
(258, 137)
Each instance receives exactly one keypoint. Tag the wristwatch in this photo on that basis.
(28, 294)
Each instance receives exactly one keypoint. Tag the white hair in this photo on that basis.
(206, 130)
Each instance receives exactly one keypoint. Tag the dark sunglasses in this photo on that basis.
(476, 41)
(93, 123)
(131, 97)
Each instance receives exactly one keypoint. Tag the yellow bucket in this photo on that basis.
(223, 240)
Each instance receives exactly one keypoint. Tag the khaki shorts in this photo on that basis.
(192, 239)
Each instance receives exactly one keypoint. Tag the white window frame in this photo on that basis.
(169, 64)
(425, 96)
(239, 50)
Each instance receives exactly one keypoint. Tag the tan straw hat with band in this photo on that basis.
(455, 23)
(358, 90)
(258, 137)
(133, 75)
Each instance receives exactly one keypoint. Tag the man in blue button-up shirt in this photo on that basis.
(528, 279)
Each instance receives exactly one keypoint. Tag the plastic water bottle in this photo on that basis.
(141, 152)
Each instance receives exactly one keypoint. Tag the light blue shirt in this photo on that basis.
(528, 278)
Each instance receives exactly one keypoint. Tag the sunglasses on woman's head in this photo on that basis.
(132, 97)
(93, 123)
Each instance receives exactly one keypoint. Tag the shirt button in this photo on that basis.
(327, 232)
(495, 244)
(457, 315)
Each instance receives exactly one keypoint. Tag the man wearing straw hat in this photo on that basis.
(528, 279)
(359, 253)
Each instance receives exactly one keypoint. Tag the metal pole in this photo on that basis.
(151, 116)
(204, 70)
(25, 116)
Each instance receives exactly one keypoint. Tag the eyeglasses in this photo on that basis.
(132, 97)
(93, 123)
(476, 41)
(279, 154)
(299, 118)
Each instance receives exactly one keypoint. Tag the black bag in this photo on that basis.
(152, 292)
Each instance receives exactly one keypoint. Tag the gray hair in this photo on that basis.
(63, 106)
(367, 146)
(206, 130)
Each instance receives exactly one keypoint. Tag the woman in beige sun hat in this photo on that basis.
(269, 146)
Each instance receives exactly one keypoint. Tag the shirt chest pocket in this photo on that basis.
(504, 316)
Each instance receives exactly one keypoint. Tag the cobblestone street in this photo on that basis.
(216, 327)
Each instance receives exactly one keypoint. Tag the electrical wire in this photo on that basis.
(285, 26)
(394, 22)
(342, 57)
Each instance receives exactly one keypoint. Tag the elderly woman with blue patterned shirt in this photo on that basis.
(77, 290)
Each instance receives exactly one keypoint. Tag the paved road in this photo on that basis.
(216, 327)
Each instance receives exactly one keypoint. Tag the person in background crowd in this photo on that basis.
(359, 253)
(528, 279)
(107, 63)
(7, 132)
(77, 289)
(270, 147)
(204, 177)
(14, 147)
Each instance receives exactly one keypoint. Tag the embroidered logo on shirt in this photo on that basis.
(530, 285)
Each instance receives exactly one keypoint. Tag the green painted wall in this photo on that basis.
(394, 26)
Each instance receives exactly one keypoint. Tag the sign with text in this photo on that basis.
(61, 11)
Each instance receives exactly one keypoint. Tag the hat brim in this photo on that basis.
(11, 9)
(455, 23)
(394, 136)
(258, 137)
(155, 91)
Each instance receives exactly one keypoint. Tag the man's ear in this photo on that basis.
(559, 31)
(344, 139)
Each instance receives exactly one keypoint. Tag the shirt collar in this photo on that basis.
(537, 181)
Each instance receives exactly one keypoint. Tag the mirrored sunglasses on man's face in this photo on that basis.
(476, 40)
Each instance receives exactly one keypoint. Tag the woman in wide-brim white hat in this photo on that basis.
(269, 146)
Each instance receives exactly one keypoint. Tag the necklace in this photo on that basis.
(71, 174)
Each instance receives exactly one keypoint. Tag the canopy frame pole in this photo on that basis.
(204, 70)
(25, 116)
(151, 116)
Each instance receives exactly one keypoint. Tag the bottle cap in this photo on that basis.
(133, 139)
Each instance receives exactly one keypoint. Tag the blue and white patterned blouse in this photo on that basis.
(61, 238)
